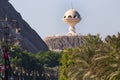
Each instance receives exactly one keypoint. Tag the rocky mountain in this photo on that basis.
(28, 39)
(58, 43)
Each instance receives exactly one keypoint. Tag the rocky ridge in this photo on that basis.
(28, 39)
(59, 43)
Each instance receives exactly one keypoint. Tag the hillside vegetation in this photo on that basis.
(29, 66)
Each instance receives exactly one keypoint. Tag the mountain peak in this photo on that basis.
(28, 39)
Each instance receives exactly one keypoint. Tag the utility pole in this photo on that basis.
(6, 64)
(5, 47)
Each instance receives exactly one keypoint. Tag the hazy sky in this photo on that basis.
(45, 16)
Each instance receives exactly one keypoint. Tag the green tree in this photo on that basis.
(106, 64)
(76, 62)
(96, 60)
(49, 58)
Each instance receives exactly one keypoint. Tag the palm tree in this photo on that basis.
(95, 60)
(106, 64)
(78, 60)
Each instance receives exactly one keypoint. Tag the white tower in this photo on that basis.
(71, 17)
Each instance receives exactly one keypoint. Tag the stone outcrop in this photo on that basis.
(28, 39)
(59, 43)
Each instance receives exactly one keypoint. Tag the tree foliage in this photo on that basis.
(95, 60)
(49, 59)
(31, 66)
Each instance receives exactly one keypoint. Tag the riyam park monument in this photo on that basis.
(71, 39)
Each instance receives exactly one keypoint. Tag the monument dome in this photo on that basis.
(71, 17)
(71, 13)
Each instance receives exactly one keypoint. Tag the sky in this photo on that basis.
(45, 16)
